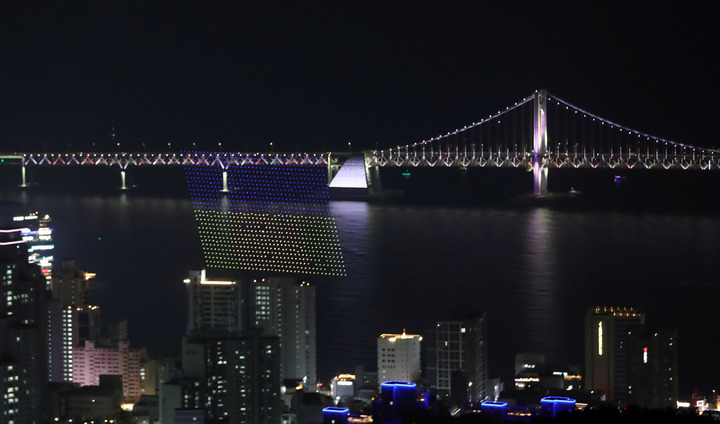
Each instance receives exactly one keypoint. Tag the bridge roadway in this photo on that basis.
(373, 159)
(705, 162)
(123, 160)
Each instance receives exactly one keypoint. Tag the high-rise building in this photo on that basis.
(299, 339)
(213, 305)
(180, 394)
(242, 379)
(244, 337)
(232, 378)
(23, 371)
(398, 357)
(276, 307)
(115, 332)
(607, 357)
(149, 376)
(653, 359)
(90, 362)
(38, 236)
(285, 308)
(68, 327)
(70, 285)
(456, 361)
(71, 320)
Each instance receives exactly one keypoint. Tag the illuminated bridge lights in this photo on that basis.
(274, 218)
(125, 159)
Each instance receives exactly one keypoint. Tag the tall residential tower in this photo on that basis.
(456, 362)
(276, 307)
(607, 357)
(23, 370)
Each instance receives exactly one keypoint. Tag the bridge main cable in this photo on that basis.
(630, 130)
(473, 125)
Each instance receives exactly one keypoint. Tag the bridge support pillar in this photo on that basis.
(224, 181)
(24, 180)
(540, 143)
(372, 175)
(122, 180)
(540, 177)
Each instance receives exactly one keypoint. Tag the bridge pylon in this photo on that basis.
(540, 137)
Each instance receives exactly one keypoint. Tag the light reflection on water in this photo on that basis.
(535, 272)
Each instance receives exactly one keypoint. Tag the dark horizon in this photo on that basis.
(315, 77)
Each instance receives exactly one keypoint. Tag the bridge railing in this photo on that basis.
(509, 159)
(123, 160)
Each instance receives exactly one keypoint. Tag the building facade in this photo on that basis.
(213, 305)
(607, 358)
(70, 285)
(23, 326)
(456, 358)
(276, 307)
(242, 379)
(68, 327)
(71, 320)
(37, 234)
(398, 357)
(285, 308)
(653, 368)
(90, 362)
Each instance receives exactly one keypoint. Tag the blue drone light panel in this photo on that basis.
(272, 218)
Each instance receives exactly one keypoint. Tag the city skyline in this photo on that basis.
(495, 364)
(497, 274)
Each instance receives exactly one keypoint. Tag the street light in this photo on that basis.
(271, 146)
(349, 146)
(220, 147)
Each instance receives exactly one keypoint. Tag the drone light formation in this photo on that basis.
(272, 218)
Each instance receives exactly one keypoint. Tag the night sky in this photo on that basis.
(311, 76)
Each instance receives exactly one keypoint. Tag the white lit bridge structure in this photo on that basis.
(125, 160)
(541, 132)
(538, 133)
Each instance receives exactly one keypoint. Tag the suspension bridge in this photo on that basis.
(538, 133)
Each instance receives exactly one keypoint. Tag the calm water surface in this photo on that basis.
(534, 271)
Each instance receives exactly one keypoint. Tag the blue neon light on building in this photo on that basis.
(494, 409)
(554, 405)
(335, 415)
(398, 397)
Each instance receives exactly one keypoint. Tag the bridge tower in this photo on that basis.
(540, 171)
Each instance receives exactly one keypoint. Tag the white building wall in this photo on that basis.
(398, 357)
